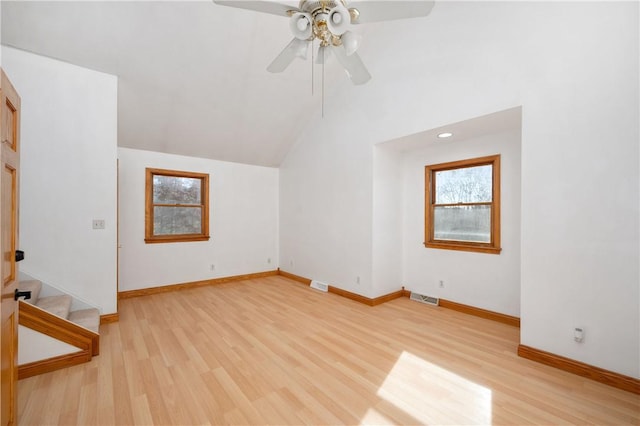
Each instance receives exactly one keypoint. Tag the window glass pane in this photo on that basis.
(176, 190)
(466, 185)
(463, 223)
(177, 220)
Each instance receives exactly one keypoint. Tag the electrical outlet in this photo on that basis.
(357, 280)
(441, 284)
(268, 260)
(212, 267)
(97, 224)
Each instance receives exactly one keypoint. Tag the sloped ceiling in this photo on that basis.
(192, 74)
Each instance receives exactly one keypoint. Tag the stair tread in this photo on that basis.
(87, 318)
(34, 286)
(56, 305)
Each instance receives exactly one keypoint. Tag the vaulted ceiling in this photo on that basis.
(192, 74)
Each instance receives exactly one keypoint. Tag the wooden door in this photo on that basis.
(9, 159)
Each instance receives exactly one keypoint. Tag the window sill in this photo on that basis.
(478, 248)
(176, 239)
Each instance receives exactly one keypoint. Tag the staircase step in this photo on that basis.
(34, 286)
(87, 318)
(57, 305)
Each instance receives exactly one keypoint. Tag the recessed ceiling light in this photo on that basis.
(445, 135)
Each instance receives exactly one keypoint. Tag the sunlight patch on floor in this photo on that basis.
(430, 394)
(374, 417)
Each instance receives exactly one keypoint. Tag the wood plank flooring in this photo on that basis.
(271, 351)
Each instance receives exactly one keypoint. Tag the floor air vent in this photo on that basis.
(319, 286)
(424, 299)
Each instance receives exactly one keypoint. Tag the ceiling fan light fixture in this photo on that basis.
(301, 25)
(351, 42)
(339, 19)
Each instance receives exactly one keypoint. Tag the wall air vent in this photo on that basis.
(319, 286)
(424, 299)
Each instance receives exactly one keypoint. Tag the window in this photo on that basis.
(177, 206)
(462, 205)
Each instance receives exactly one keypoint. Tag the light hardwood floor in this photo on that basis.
(271, 351)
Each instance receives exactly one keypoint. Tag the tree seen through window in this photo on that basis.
(462, 205)
(177, 206)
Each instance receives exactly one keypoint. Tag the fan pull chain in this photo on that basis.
(312, 63)
(324, 57)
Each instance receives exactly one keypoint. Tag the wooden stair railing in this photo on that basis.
(39, 320)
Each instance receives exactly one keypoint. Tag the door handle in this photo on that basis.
(18, 294)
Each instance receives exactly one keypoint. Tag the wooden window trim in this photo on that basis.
(492, 247)
(148, 216)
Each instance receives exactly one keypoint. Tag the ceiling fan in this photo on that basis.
(330, 22)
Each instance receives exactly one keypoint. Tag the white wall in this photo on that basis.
(573, 67)
(35, 346)
(580, 189)
(67, 175)
(325, 208)
(388, 209)
(482, 280)
(243, 223)
(0, 33)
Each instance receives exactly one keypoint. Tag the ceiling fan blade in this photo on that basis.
(264, 6)
(386, 10)
(353, 65)
(295, 49)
